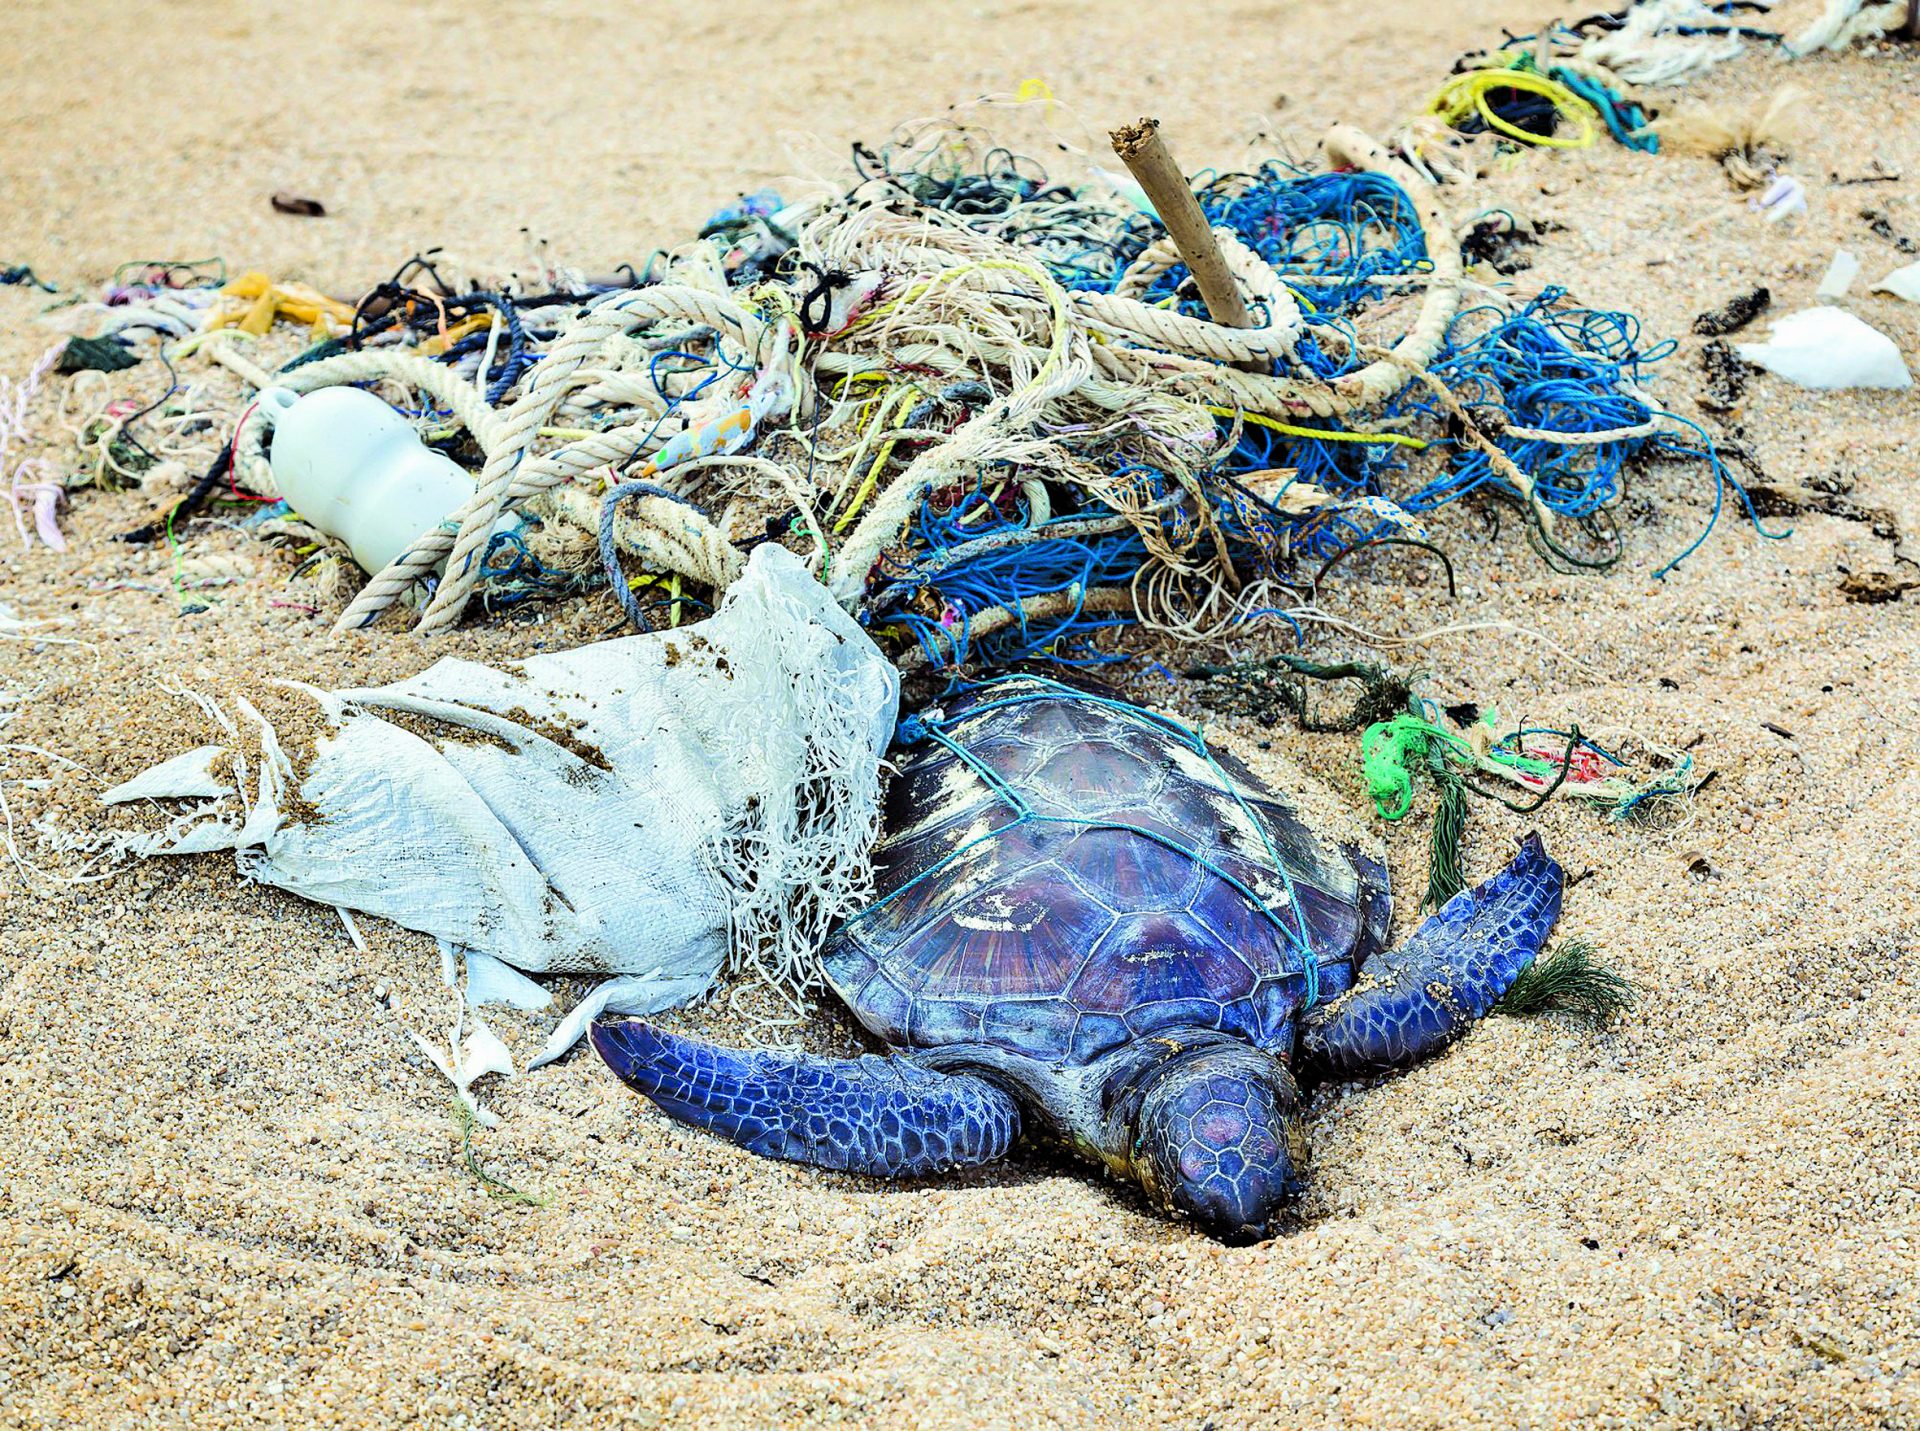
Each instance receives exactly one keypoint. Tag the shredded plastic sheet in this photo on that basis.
(1829, 348)
(1903, 282)
(655, 807)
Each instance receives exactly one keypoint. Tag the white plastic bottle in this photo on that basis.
(351, 465)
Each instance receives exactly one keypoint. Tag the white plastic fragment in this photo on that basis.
(484, 1053)
(441, 1058)
(1839, 277)
(449, 962)
(1902, 283)
(491, 982)
(188, 776)
(1127, 189)
(464, 1065)
(1782, 199)
(1829, 348)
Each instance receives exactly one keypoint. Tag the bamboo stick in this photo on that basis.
(1145, 154)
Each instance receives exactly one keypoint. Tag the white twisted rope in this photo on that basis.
(1584, 439)
(668, 535)
(1283, 397)
(977, 306)
(1164, 328)
(513, 434)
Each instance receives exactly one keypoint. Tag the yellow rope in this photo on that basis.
(866, 487)
(1325, 434)
(1467, 94)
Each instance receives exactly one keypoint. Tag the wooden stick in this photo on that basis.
(1144, 152)
(1045, 607)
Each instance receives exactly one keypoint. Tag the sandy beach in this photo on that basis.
(231, 1192)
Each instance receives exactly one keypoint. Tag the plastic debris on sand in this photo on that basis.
(1829, 348)
(731, 768)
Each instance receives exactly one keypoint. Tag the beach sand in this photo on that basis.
(230, 1189)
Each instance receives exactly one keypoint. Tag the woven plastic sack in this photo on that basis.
(641, 807)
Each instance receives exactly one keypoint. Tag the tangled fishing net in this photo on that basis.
(986, 409)
(1572, 83)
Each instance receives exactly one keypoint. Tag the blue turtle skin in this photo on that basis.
(1136, 1002)
(1415, 1000)
(882, 1116)
(1062, 941)
(1221, 1140)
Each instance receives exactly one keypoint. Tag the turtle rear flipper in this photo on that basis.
(887, 1117)
(1412, 1001)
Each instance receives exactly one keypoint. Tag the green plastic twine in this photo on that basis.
(1388, 752)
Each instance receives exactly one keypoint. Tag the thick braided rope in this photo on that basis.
(516, 431)
(1369, 387)
(1120, 396)
(532, 411)
(878, 241)
(617, 390)
(1584, 439)
(1167, 329)
(1155, 259)
(601, 449)
(666, 534)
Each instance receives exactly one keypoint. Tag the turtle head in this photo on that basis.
(1220, 1137)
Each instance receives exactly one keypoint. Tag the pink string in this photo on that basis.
(44, 497)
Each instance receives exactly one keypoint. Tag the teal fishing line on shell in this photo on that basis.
(915, 729)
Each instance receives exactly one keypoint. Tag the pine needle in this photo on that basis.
(1569, 979)
(464, 1120)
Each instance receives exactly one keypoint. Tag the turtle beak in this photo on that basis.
(1222, 1141)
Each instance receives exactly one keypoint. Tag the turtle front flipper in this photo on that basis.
(886, 1117)
(1412, 1001)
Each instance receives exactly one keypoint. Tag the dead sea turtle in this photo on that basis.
(1094, 926)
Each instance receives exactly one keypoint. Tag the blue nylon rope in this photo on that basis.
(1549, 366)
